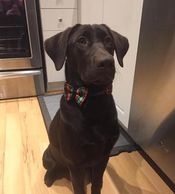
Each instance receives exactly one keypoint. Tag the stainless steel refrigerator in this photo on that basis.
(21, 69)
(152, 116)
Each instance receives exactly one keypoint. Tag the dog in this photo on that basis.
(85, 128)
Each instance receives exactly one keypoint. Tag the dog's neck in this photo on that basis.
(76, 90)
(75, 81)
(93, 90)
(81, 94)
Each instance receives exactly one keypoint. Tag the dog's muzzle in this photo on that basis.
(100, 69)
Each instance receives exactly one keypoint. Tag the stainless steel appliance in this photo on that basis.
(21, 72)
(152, 117)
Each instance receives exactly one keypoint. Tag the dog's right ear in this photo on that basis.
(56, 47)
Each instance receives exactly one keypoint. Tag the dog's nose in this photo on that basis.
(105, 62)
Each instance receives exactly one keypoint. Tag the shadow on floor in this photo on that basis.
(122, 186)
(62, 183)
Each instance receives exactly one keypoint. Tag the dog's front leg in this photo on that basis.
(77, 175)
(97, 176)
(50, 165)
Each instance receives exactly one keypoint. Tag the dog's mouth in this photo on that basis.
(100, 80)
(103, 77)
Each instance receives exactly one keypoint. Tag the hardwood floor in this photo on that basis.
(23, 139)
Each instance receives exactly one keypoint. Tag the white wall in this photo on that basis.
(123, 16)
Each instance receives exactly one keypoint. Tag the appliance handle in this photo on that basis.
(15, 74)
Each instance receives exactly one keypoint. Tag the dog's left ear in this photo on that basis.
(56, 46)
(121, 44)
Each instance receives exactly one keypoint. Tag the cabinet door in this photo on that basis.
(58, 19)
(124, 16)
(54, 21)
(58, 4)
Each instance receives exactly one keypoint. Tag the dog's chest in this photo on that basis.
(95, 140)
(87, 136)
(90, 144)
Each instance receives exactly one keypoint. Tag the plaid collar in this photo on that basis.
(80, 94)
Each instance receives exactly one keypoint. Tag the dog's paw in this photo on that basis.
(48, 161)
(49, 179)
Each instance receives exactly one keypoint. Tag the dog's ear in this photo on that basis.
(56, 46)
(121, 44)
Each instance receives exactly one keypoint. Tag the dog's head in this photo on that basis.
(88, 50)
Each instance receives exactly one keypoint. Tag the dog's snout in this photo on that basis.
(105, 61)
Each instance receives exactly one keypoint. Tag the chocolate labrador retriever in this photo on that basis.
(85, 127)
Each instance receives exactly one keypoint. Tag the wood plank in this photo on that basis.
(13, 160)
(23, 139)
(148, 171)
(2, 142)
(129, 178)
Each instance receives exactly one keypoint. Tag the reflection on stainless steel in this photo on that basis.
(13, 74)
(152, 120)
(14, 37)
(8, 64)
(21, 85)
(21, 71)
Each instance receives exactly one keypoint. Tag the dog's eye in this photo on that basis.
(108, 41)
(83, 40)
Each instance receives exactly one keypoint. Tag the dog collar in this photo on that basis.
(80, 94)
